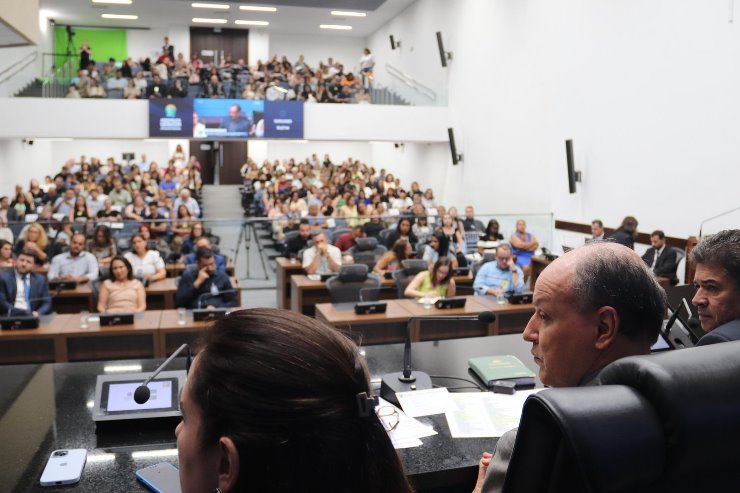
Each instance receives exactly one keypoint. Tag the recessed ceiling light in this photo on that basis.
(202, 20)
(116, 2)
(255, 8)
(335, 26)
(220, 6)
(252, 23)
(342, 13)
(120, 16)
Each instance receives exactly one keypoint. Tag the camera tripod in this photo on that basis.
(247, 233)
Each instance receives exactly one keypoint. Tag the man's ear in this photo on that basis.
(607, 320)
(228, 467)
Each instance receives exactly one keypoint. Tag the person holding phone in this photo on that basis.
(493, 276)
(277, 401)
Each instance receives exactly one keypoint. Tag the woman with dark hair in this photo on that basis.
(391, 260)
(404, 230)
(270, 385)
(437, 282)
(626, 233)
(188, 242)
(6, 254)
(102, 246)
(121, 293)
(147, 264)
(437, 248)
(492, 233)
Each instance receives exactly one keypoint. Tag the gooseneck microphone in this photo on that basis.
(142, 393)
(406, 380)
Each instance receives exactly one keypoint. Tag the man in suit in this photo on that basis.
(717, 281)
(204, 242)
(597, 229)
(205, 287)
(661, 259)
(23, 292)
(579, 326)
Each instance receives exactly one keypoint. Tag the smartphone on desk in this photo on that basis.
(64, 467)
(160, 478)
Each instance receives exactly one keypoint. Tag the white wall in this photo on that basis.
(318, 48)
(259, 46)
(20, 162)
(147, 43)
(158, 151)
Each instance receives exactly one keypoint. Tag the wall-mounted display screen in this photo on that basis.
(224, 119)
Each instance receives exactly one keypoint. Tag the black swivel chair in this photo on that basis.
(352, 283)
(667, 422)
(403, 276)
(367, 251)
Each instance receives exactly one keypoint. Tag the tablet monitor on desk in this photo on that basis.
(114, 396)
(19, 322)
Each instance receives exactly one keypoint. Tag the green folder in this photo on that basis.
(502, 367)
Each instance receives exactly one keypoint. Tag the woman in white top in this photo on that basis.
(145, 263)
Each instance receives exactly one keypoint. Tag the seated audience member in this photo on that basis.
(185, 199)
(23, 292)
(437, 248)
(321, 258)
(240, 421)
(156, 221)
(34, 237)
(492, 233)
(580, 326)
(421, 228)
(188, 242)
(661, 259)
(136, 210)
(107, 213)
(626, 233)
(597, 229)
(348, 240)
(300, 241)
(437, 282)
(523, 245)
(146, 264)
(204, 242)
(205, 286)
(76, 264)
(499, 277)
(717, 281)
(6, 254)
(470, 223)
(102, 246)
(95, 202)
(6, 233)
(157, 89)
(119, 196)
(132, 91)
(403, 231)
(121, 292)
(451, 229)
(391, 260)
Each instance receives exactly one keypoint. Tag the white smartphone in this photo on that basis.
(64, 467)
(160, 478)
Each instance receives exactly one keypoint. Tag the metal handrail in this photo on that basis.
(52, 87)
(19, 65)
(411, 82)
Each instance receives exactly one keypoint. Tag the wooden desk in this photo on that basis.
(73, 300)
(172, 335)
(285, 268)
(437, 330)
(375, 328)
(538, 265)
(305, 294)
(41, 345)
(176, 269)
(510, 319)
(111, 342)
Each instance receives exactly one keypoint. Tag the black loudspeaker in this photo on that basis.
(443, 55)
(456, 158)
(394, 44)
(571, 166)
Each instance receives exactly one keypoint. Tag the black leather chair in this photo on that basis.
(353, 284)
(667, 422)
(403, 276)
(367, 251)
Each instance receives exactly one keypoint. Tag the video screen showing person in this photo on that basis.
(227, 118)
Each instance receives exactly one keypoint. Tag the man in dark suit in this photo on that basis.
(204, 242)
(661, 259)
(717, 279)
(23, 292)
(205, 287)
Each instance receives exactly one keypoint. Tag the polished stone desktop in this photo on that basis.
(47, 407)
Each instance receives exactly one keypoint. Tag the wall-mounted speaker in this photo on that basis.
(573, 175)
(443, 55)
(395, 43)
(456, 158)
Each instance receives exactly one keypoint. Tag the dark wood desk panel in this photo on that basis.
(285, 268)
(73, 300)
(115, 342)
(510, 319)
(375, 328)
(538, 265)
(42, 345)
(438, 330)
(172, 335)
(305, 294)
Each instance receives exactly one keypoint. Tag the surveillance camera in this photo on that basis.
(52, 22)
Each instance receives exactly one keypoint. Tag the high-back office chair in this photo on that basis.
(353, 281)
(658, 423)
(337, 233)
(367, 251)
(403, 276)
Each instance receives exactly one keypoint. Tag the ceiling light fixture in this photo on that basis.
(252, 23)
(343, 13)
(221, 6)
(114, 2)
(120, 16)
(255, 8)
(336, 27)
(203, 20)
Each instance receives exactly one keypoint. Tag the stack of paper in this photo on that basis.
(408, 431)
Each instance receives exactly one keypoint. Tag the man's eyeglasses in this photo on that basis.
(388, 416)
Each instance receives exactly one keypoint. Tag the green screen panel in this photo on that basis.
(105, 43)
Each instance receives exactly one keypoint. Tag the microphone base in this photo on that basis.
(393, 383)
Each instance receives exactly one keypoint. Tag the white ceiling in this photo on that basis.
(287, 19)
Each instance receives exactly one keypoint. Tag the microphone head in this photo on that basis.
(487, 317)
(693, 323)
(141, 394)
